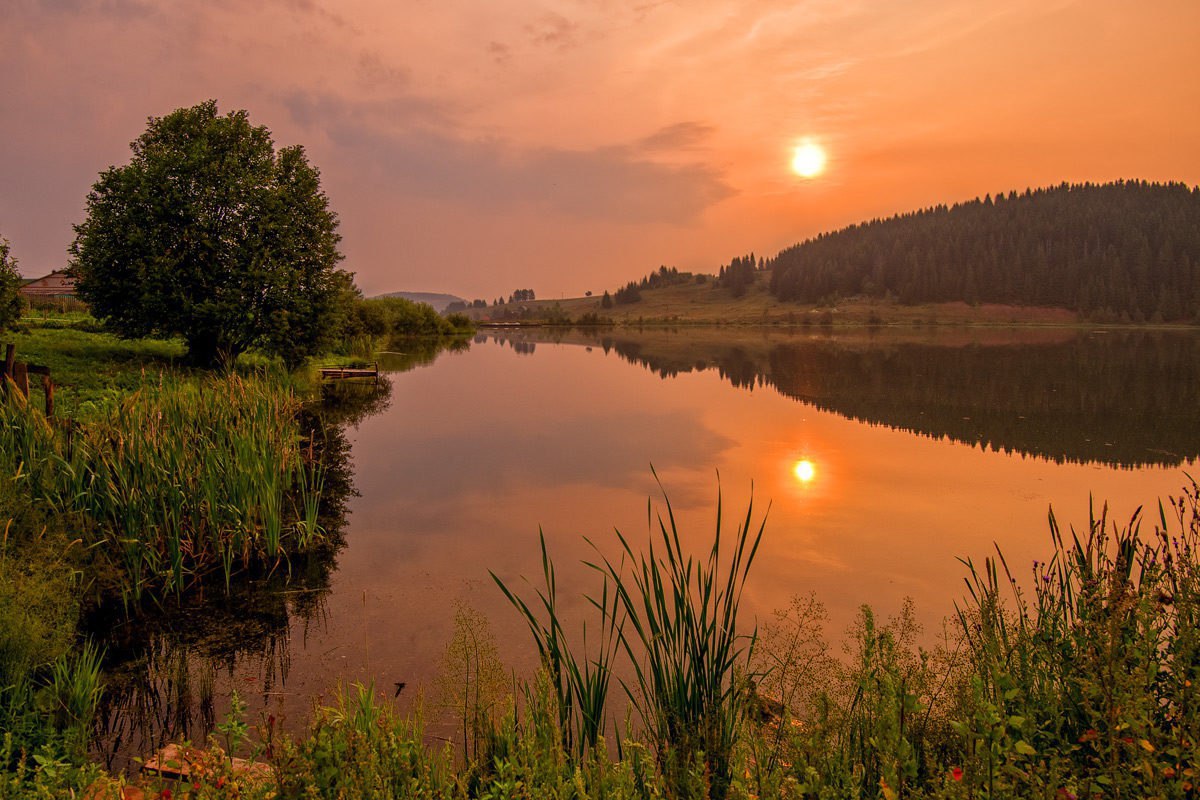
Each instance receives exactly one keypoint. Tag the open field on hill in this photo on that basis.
(705, 304)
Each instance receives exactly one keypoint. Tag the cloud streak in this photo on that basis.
(620, 183)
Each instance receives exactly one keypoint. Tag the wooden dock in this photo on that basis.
(181, 763)
(350, 373)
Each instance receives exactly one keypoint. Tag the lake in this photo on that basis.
(883, 457)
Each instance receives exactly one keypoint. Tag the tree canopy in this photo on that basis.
(212, 235)
(10, 283)
(1119, 250)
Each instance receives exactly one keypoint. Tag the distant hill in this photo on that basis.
(437, 300)
(1126, 251)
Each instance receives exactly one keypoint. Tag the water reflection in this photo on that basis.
(1120, 398)
(804, 471)
(170, 671)
(895, 462)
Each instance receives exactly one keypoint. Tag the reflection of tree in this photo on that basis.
(161, 668)
(1124, 398)
(162, 665)
(405, 353)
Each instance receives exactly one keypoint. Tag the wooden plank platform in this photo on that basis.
(350, 373)
(188, 763)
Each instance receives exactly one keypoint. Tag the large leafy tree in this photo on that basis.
(211, 234)
(10, 283)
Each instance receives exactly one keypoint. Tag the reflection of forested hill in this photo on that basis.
(1127, 398)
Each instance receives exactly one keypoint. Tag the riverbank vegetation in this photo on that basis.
(153, 480)
(1077, 679)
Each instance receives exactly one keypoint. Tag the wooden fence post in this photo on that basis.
(20, 376)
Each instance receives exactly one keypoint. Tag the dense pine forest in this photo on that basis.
(1117, 251)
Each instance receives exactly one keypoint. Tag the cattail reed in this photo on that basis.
(178, 481)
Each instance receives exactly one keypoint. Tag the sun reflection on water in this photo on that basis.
(804, 470)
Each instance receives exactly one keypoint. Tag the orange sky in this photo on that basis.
(478, 146)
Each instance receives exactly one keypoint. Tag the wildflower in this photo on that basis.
(957, 773)
(165, 794)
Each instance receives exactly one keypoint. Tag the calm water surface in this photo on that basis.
(918, 448)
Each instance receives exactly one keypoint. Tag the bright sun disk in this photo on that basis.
(808, 160)
(804, 471)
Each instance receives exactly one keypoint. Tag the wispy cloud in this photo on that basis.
(620, 183)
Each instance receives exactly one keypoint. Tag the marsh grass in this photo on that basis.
(580, 682)
(675, 617)
(683, 641)
(179, 480)
(1091, 682)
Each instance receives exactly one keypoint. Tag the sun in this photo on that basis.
(804, 471)
(808, 159)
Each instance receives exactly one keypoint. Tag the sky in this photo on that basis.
(480, 146)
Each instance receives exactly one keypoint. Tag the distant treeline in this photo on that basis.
(1116, 251)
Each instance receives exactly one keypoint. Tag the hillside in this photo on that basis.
(437, 300)
(709, 304)
(1118, 252)
(1125, 251)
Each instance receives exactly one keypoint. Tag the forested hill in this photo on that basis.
(1127, 250)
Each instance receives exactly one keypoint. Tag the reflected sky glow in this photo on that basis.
(482, 450)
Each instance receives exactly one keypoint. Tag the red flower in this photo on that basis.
(165, 794)
(956, 773)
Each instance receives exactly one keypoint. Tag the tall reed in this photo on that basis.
(179, 480)
(580, 684)
(676, 619)
(683, 641)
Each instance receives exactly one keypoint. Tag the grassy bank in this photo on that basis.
(150, 479)
(708, 304)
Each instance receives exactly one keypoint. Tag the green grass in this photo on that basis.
(91, 368)
(176, 481)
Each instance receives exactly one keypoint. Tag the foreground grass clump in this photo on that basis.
(175, 481)
(49, 685)
(1092, 686)
(675, 617)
